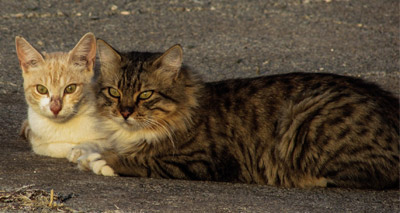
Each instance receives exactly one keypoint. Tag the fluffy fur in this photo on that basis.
(291, 130)
(57, 119)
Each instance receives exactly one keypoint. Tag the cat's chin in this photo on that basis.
(59, 118)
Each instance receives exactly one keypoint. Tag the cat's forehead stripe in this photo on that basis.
(131, 75)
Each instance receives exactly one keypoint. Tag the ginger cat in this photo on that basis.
(61, 105)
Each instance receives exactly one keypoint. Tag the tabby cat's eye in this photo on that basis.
(113, 92)
(146, 94)
(70, 88)
(41, 89)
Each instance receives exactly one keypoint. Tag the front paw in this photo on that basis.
(83, 149)
(75, 153)
(96, 163)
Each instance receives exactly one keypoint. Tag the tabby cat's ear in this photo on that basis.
(109, 57)
(171, 60)
(27, 55)
(84, 53)
(107, 54)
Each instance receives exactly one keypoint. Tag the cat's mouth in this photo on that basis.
(129, 124)
(61, 117)
(137, 123)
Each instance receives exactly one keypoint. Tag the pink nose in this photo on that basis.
(55, 105)
(125, 114)
(55, 109)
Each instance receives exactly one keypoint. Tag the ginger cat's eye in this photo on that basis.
(41, 89)
(70, 89)
(146, 94)
(113, 92)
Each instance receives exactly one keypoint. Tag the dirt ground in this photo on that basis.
(221, 39)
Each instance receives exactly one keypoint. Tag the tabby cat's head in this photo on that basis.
(55, 83)
(145, 91)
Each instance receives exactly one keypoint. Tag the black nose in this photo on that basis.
(126, 112)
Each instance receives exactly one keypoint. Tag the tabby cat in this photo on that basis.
(290, 130)
(61, 102)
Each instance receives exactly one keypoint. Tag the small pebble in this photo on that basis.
(125, 13)
(114, 7)
(18, 15)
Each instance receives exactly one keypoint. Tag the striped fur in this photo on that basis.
(291, 130)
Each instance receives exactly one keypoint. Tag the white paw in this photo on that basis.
(85, 160)
(100, 167)
(95, 163)
(82, 150)
(74, 154)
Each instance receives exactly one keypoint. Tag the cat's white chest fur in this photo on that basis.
(56, 139)
(124, 139)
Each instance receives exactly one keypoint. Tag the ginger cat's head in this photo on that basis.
(55, 84)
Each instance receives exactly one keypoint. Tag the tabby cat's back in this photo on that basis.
(322, 125)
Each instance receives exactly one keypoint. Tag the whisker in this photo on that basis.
(164, 128)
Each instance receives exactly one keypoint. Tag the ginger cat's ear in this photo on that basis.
(171, 60)
(84, 53)
(27, 55)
